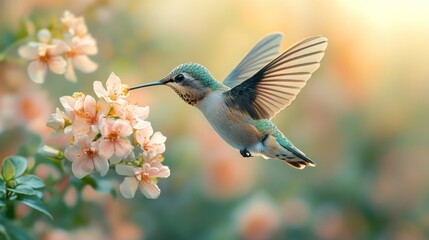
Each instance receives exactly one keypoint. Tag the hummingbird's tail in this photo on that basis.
(296, 159)
(278, 147)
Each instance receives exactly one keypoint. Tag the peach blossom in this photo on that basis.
(114, 92)
(86, 157)
(87, 115)
(73, 25)
(143, 177)
(69, 103)
(77, 56)
(114, 138)
(151, 143)
(44, 56)
(136, 115)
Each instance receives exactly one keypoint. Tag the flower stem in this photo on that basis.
(8, 49)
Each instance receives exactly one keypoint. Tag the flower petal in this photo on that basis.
(84, 64)
(164, 172)
(90, 106)
(123, 147)
(28, 51)
(82, 167)
(113, 83)
(125, 170)
(58, 47)
(157, 138)
(68, 103)
(142, 135)
(150, 190)
(101, 165)
(123, 128)
(103, 108)
(128, 187)
(70, 73)
(57, 64)
(37, 71)
(106, 148)
(86, 45)
(73, 153)
(80, 127)
(140, 124)
(99, 89)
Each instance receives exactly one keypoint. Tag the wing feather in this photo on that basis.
(263, 52)
(276, 85)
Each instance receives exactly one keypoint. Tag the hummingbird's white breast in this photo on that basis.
(233, 126)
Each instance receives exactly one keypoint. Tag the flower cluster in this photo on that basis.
(109, 131)
(61, 50)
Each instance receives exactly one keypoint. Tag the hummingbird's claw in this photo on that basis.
(245, 153)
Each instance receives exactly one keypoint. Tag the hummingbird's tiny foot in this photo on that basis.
(245, 153)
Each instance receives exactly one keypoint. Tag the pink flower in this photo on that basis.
(44, 57)
(77, 56)
(87, 114)
(135, 115)
(69, 103)
(114, 138)
(86, 157)
(143, 177)
(115, 92)
(151, 143)
(74, 25)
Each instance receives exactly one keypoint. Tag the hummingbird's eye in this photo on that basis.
(179, 78)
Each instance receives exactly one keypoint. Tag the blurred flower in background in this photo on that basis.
(74, 42)
(362, 117)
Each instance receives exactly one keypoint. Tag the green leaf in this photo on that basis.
(23, 189)
(3, 233)
(20, 164)
(10, 231)
(31, 181)
(35, 203)
(7, 170)
(2, 203)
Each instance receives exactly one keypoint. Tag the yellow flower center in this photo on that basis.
(125, 89)
(77, 94)
(113, 96)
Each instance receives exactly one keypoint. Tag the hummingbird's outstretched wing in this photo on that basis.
(263, 52)
(276, 85)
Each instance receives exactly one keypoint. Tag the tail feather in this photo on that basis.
(298, 164)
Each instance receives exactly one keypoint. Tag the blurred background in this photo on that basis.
(363, 117)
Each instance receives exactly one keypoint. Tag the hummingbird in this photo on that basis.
(241, 107)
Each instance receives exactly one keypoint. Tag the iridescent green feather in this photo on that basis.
(198, 72)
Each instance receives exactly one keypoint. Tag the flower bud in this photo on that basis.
(44, 35)
(56, 122)
(11, 184)
(51, 152)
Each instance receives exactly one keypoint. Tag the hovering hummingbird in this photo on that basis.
(240, 108)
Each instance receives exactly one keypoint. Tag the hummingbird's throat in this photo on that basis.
(189, 97)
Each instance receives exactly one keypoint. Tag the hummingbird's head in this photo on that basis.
(191, 81)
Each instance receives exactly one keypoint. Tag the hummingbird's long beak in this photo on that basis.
(147, 85)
